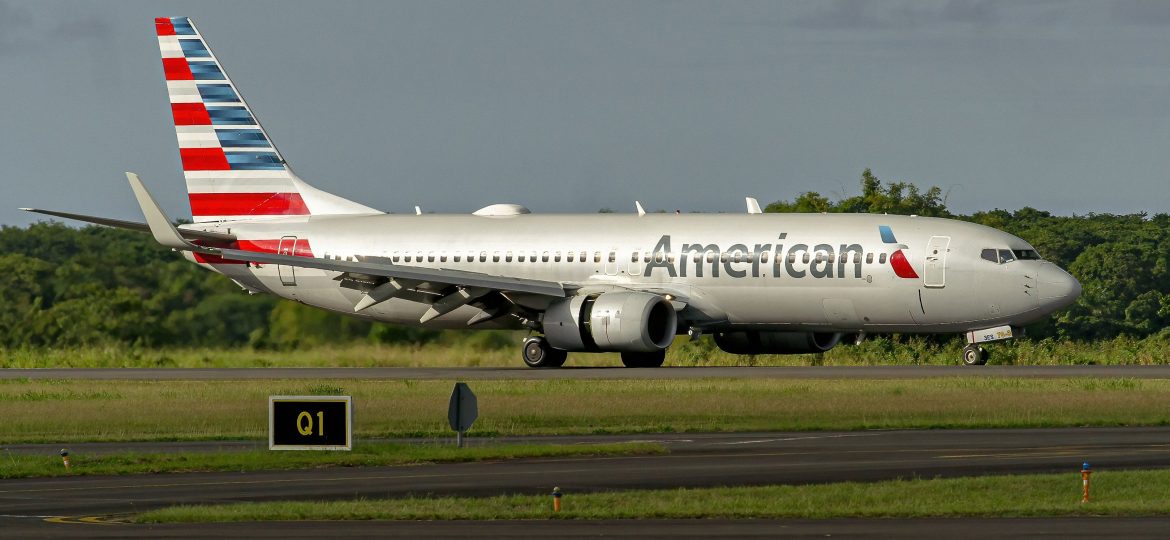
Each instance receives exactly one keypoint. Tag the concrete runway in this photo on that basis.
(522, 373)
(696, 460)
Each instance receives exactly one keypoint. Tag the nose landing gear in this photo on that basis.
(974, 355)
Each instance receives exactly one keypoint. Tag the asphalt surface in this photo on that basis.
(522, 373)
(83, 506)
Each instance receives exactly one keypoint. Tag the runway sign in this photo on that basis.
(310, 423)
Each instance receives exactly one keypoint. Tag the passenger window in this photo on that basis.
(869, 258)
(557, 257)
(882, 259)
(443, 257)
(1005, 256)
(431, 257)
(407, 258)
(989, 255)
(483, 256)
(613, 256)
(634, 257)
(724, 257)
(710, 256)
(395, 257)
(791, 257)
(508, 257)
(764, 256)
(544, 257)
(495, 256)
(805, 258)
(596, 256)
(458, 257)
(520, 257)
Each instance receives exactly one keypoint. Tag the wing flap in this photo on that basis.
(433, 275)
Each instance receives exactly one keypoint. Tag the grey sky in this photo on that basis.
(573, 106)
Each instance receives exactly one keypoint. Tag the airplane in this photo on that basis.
(628, 283)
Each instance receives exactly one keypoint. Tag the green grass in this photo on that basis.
(363, 455)
(1120, 493)
(503, 351)
(62, 411)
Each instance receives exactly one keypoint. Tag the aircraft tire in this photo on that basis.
(974, 355)
(538, 354)
(644, 359)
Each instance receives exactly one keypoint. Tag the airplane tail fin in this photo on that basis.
(233, 170)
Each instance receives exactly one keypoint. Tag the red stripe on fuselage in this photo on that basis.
(177, 69)
(190, 114)
(247, 204)
(164, 27)
(260, 246)
(902, 266)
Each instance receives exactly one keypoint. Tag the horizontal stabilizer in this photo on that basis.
(133, 225)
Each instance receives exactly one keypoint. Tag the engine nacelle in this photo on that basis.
(616, 321)
(753, 342)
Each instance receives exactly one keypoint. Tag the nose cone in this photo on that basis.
(1057, 288)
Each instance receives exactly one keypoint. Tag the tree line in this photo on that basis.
(71, 287)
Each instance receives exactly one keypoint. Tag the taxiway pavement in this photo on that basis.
(696, 460)
(522, 373)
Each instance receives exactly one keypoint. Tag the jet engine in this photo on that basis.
(753, 342)
(613, 321)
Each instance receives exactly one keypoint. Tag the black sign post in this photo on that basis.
(462, 412)
(310, 423)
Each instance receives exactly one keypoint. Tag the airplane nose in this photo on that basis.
(1056, 287)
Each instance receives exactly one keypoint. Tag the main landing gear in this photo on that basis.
(974, 355)
(539, 354)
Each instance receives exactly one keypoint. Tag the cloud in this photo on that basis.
(14, 27)
(862, 14)
(1149, 12)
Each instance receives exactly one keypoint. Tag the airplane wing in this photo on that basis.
(190, 234)
(463, 287)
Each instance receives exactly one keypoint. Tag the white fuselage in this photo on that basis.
(809, 272)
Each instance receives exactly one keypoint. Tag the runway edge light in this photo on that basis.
(1086, 470)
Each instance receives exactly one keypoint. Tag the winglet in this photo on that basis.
(638, 206)
(162, 229)
(753, 206)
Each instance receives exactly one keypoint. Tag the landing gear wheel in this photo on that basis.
(974, 355)
(644, 359)
(538, 353)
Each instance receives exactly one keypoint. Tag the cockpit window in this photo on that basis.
(990, 255)
(1026, 254)
(1006, 256)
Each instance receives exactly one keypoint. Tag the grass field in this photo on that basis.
(362, 455)
(76, 410)
(1121, 493)
(504, 350)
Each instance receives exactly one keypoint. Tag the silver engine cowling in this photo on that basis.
(615, 321)
(753, 342)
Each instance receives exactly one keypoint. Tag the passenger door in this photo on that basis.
(934, 275)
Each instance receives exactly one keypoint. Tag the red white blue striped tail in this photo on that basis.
(233, 170)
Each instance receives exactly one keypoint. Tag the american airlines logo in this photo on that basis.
(797, 260)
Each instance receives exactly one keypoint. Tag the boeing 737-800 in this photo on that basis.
(758, 283)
